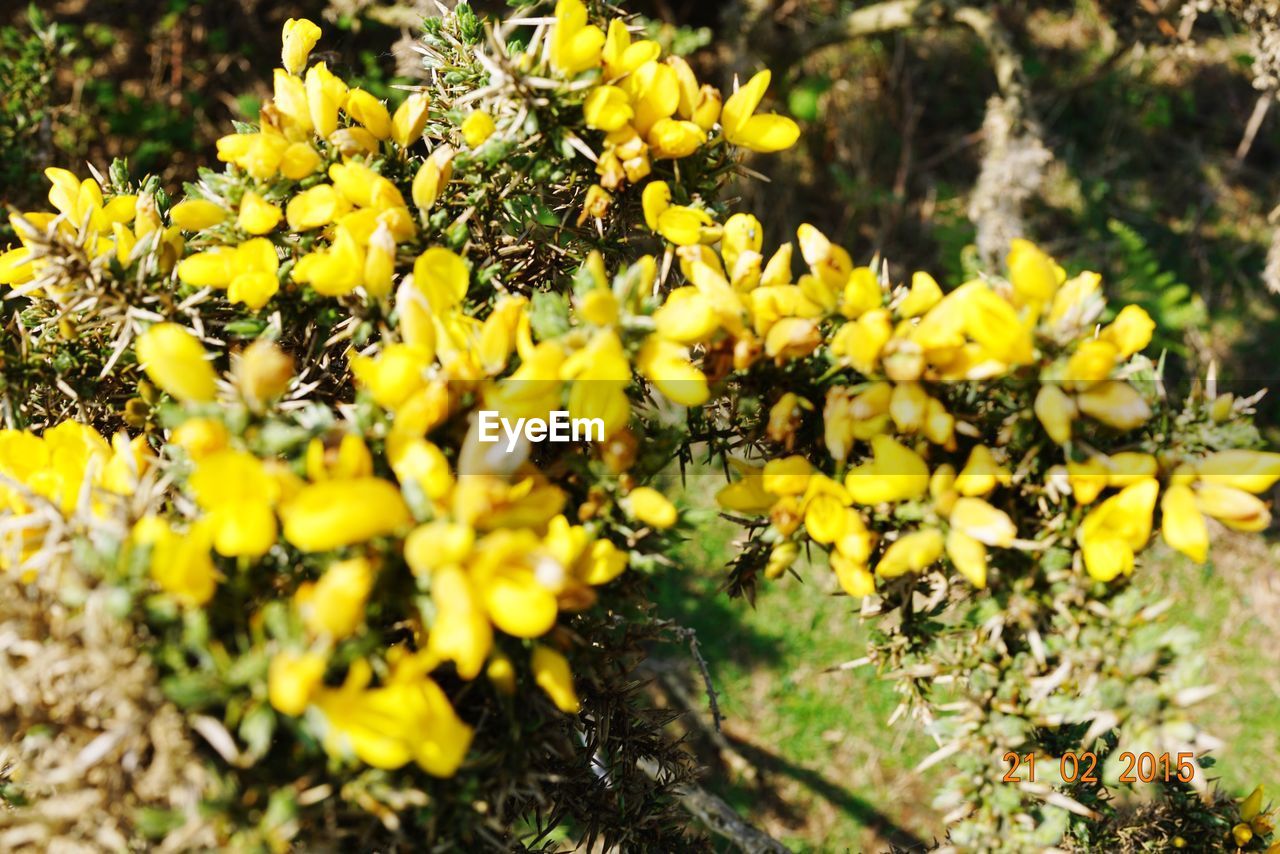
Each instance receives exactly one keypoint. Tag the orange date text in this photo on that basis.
(1083, 767)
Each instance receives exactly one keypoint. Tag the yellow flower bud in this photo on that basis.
(334, 605)
(551, 672)
(1034, 275)
(651, 507)
(175, 361)
(257, 215)
(299, 161)
(432, 178)
(299, 37)
(368, 111)
(1114, 403)
(325, 95)
(1056, 411)
(197, 214)
(502, 673)
(410, 119)
(336, 513)
(477, 127)
(263, 372)
(855, 579)
(912, 552)
(968, 555)
(200, 436)
(292, 679)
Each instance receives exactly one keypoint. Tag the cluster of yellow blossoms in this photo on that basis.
(906, 481)
(649, 108)
(123, 228)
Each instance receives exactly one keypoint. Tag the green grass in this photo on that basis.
(831, 774)
(1233, 602)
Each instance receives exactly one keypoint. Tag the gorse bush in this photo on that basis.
(382, 629)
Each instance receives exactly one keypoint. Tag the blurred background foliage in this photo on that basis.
(1160, 171)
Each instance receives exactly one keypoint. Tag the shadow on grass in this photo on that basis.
(730, 642)
(866, 814)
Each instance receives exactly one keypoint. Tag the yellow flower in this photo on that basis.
(175, 361)
(257, 215)
(292, 679)
(477, 127)
(290, 103)
(197, 214)
(655, 94)
(1182, 524)
(336, 513)
(968, 556)
(1034, 275)
(1115, 403)
(334, 605)
(620, 56)
(461, 632)
(994, 324)
(15, 266)
(551, 672)
(248, 271)
(607, 108)
(575, 44)
(408, 719)
(981, 473)
(923, 295)
(180, 563)
(699, 104)
(854, 578)
(200, 436)
(683, 226)
(258, 154)
(763, 133)
(650, 507)
(335, 272)
(325, 95)
(894, 473)
(984, 523)
(299, 37)
(746, 495)
(432, 177)
(1056, 411)
(1130, 331)
(859, 342)
(671, 138)
(1252, 471)
(1235, 508)
(1117, 528)
(410, 119)
(234, 489)
(368, 111)
(314, 207)
(666, 364)
(442, 277)
(911, 553)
